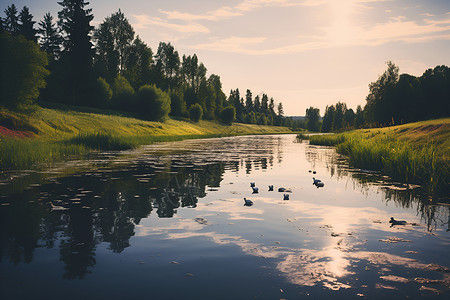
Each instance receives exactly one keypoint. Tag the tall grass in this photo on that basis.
(23, 153)
(400, 159)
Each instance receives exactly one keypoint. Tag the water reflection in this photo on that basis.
(434, 215)
(190, 194)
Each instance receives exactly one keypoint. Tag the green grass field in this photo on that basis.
(412, 153)
(63, 132)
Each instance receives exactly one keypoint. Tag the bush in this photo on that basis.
(195, 112)
(228, 115)
(123, 94)
(152, 103)
(22, 71)
(102, 93)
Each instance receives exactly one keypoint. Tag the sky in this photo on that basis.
(300, 52)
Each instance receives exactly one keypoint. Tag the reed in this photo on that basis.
(403, 159)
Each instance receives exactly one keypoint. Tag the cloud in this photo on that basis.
(143, 21)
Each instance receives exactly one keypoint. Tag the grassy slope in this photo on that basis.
(416, 152)
(60, 133)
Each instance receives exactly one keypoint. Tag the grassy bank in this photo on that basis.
(57, 134)
(411, 153)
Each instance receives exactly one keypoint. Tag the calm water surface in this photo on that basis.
(167, 221)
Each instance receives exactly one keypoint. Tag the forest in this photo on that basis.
(393, 99)
(68, 61)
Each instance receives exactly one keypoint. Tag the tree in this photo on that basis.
(177, 104)
(228, 115)
(313, 116)
(219, 96)
(272, 107)
(280, 109)
(22, 71)
(11, 21)
(26, 28)
(114, 38)
(378, 107)
(327, 122)
(74, 20)
(139, 65)
(265, 103)
(195, 112)
(349, 118)
(248, 101)
(167, 64)
(153, 104)
(359, 117)
(49, 38)
(338, 118)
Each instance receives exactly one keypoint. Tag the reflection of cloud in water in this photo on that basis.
(328, 267)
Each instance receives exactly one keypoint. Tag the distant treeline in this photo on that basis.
(71, 62)
(392, 100)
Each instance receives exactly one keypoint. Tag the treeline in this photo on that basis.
(69, 61)
(392, 100)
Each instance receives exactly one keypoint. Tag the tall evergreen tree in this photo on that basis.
(248, 101)
(12, 20)
(49, 38)
(74, 20)
(26, 28)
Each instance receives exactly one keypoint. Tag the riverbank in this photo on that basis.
(416, 153)
(46, 135)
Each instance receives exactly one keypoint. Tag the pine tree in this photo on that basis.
(26, 28)
(11, 21)
(49, 38)
(74, 20)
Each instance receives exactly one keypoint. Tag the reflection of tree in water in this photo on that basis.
(75, 218)
(104, 204)
(403, 195)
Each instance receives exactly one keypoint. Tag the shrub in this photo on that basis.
(123, 94)
(152, 103)
(228, 115)
(195, 112)
(102, 93)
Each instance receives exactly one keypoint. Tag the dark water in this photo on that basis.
(168, 222)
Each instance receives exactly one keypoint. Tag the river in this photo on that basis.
(168, 221)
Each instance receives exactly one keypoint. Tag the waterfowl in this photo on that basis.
(281, 189)
(255, 190)
(395, 222)
(316, 181)
(248, 202)
(314, 172)
(320, 184)
(270, 188)
(252, 184)
(309, 171)
(286, 197)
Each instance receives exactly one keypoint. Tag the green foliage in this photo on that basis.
(102, 93)
(177, 104)
(152, 103)
(195, 112)
(313, 116)
(50, 40)
(23, 72)
(123, 94)
(228, 115)
(401, 160)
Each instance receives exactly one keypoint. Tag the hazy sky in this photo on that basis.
(301, 52)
